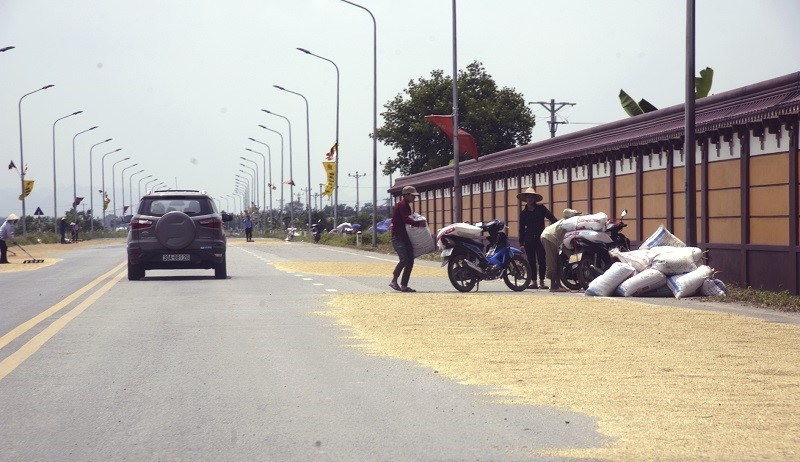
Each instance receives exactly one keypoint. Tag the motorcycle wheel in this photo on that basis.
(461, 276)
(569, 273)
(518, 273)
(592, 264)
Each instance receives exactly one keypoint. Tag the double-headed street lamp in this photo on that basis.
(22, 168)
(75, 177)
(374, 122)
(308, 149)
(91, 180)
(336, 174)
(55, 195)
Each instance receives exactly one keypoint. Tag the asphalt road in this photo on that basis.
(180, 366)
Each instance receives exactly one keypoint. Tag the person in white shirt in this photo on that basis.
(7, 234)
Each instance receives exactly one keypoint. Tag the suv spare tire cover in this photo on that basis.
(175, 230)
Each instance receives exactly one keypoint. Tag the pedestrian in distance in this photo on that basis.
(401, 216)
(7, 234)
(531, 225)
(552, 237)
(75, 226)
(248, 227)
(62, 229)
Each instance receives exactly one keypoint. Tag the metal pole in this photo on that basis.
(113, 189)
(140, 185)
(91, 182)
(122, 186)
(270, 171)
(291, 175)
(336, 174)
(75, 178)
(374, 122)
(256, 181)
(689, 127)
(456, 154)
(130, 186)
(308, 149)
(103, 175)
(55, 194)
(21, 167)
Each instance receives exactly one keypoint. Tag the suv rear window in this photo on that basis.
(157, 207)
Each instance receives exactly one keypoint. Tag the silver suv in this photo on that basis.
(176, 229)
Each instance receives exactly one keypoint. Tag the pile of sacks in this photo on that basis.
(662, 267)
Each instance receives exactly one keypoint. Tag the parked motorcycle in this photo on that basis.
(468, 264)
(589, 256)
(316, 230)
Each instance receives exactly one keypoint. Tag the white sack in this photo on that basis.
(686, 285)
(594, 236)
(639, 259)
(662, 237)
(646, 281)
(712, 288)
(421, 239)
(676, 260)
(605, 284)
(460, 229)
(595, 222)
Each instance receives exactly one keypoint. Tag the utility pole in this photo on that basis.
(551, 107)
(356, 176)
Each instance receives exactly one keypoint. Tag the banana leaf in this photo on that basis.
(702, 84)
(629, 105)
(646, 106)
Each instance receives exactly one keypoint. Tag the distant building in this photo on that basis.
(746, 178)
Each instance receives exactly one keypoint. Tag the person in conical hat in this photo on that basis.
(531, 225)
(7, 234)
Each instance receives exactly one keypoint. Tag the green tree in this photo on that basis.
(497, 118)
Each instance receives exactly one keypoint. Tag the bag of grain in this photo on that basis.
(595, 222)
(713, 288)
(605, 284)
(686, 285)
(646, 281)
(675, 260)
(662, 237)
(639, 259)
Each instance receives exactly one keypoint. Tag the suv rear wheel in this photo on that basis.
(135, 272)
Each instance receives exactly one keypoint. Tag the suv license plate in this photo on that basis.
(176, 257)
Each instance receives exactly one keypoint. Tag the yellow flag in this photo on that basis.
(330, 184)
(28, 188)
(106, 201)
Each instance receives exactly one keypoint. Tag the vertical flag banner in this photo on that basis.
(330, 183)
(28, 188)
(466, 142)
(106, 201)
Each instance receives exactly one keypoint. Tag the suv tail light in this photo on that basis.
(140, 223)
(213, 223)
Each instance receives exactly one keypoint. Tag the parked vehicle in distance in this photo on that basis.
(177, 229)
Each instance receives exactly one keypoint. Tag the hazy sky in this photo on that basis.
(179, 85)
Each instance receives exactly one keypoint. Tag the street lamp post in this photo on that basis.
(75, 178)
(113, 189)
(91, 181)
(122, 186)
(130, 186)
(147, 185)
(267, 186)
(308, 149)
(249, 180)
(374, 122)
(55, 195)
(291, 175)
(336, 175)
(103, 175)
(258, 187)
(255, 180)
(140, 185)
(22, 168)
(281, 179)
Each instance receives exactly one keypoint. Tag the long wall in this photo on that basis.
(746, 198)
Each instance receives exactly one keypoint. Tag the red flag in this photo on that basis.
(289, 182)
(77, 201)
(466, 143)
(11, 165)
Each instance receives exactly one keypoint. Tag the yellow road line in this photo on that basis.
(33, 345)
(26, 326)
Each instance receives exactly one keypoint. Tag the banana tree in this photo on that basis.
(702, 86)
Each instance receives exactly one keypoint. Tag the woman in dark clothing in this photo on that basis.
(531, 225)
(401, 216)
